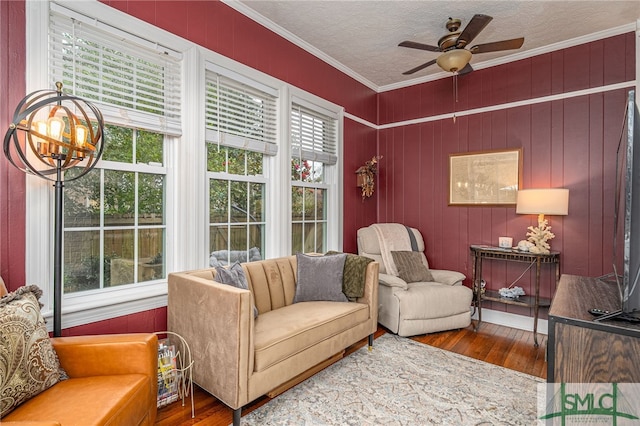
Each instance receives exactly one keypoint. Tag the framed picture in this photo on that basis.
(488, 178)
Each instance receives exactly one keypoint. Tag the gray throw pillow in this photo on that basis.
(320, 278)
(410, 266)
(234, 276)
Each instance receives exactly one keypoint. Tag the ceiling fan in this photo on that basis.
(455, 57)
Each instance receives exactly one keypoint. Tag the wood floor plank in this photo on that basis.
(504, 346)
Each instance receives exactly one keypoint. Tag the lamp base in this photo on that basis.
(539, 236)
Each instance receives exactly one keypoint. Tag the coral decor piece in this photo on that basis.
(511, 292)
(366, 176)
(539, 236)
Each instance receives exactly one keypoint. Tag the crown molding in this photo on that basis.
(272, 26)
(287, 35)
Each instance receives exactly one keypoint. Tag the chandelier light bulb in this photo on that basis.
(55, 128)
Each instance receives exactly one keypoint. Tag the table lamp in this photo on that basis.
(550, 201)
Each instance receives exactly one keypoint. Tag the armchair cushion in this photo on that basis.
(319, 278)
(410, 266)
(30, 361)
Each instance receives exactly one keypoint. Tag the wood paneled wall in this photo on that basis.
(12, 181)
(568, 143)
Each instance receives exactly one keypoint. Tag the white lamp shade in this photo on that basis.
(454, 60)
(551, 201)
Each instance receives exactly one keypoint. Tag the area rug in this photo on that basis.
(403, 382)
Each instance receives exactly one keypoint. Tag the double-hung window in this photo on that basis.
(314, 142)
(241, 117)
(115, 221)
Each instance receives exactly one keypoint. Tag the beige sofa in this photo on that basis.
(238, 358)
(413, 308)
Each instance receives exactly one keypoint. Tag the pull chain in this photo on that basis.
(455, 94)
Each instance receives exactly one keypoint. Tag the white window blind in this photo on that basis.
(239, 114)
(313, 135)
(134, 82)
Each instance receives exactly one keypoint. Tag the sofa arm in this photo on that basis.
(217, 322)
(393, 281)
(370, 296)
(447, 277)
(110, 354)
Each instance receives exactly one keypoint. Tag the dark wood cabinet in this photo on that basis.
(581, 350)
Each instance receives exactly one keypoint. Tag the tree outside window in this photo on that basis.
(114, 221)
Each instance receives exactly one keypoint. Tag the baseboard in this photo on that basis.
(507, 319)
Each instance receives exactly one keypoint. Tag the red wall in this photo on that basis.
(566, 143)
(569, 143)
(12, 181)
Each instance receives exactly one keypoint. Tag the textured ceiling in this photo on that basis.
(363, 36)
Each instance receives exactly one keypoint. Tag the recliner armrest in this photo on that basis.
(392, 281)
(447, 277)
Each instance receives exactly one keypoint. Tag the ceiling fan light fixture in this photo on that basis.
(454, 60)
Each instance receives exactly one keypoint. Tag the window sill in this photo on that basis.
(102, 307)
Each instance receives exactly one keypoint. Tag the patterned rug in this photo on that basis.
(403, 382)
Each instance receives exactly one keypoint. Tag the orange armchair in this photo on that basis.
(112, 380)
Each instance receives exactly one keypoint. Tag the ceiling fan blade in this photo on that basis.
(416, 45)
(466, 70)
(473, 28)
(418, 68)
(496, 46)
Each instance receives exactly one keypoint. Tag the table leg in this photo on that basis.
(536, 305)
(478, 288)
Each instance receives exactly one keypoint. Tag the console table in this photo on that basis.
(481, 252)
(581, 350)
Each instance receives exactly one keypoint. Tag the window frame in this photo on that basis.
(333, 173)
(96, 305)
(185, 169)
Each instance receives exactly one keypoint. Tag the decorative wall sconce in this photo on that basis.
(50, 133)
(366, 176)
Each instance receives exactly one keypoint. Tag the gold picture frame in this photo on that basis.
(485, 178)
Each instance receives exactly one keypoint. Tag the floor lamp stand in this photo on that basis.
(57, 256)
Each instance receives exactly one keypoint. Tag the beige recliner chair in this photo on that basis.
(412, 308)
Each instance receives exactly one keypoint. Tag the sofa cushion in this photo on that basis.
(234, 276)
(283, 332)
(410, 266)
(115, 400)
(320, 278)
(31, 363)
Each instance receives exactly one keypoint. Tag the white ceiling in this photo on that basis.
(361, 37)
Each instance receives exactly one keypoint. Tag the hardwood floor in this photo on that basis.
(504, 346)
